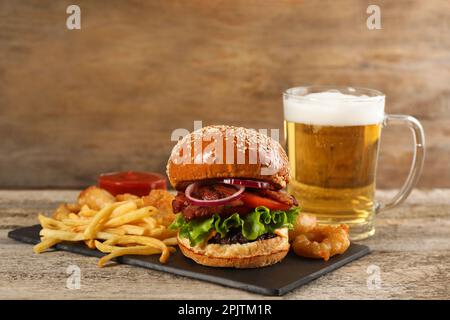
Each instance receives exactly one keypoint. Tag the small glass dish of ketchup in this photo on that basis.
(137, 183)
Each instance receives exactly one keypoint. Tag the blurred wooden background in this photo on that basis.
(107, 97)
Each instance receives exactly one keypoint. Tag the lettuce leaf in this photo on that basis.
(252, 225)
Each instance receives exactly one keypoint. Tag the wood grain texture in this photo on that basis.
(107, 97)
(411, 248)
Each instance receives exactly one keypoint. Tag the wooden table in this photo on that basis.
(411, 250)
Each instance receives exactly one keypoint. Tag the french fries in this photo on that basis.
(90, 243)
(50, 223)
(130, 225)
(62, 235)
(75, 222)
(170, 241)
(98, 221)
(131, 216)
(124, 208)
(45, 244)
(140, 250)
(132, 229)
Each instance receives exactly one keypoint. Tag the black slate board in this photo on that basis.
(275, 280)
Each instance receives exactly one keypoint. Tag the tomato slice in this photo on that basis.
(137, 183)
(252, 200)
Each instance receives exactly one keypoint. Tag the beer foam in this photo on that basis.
(333, 108)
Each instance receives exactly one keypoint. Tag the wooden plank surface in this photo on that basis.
(411, 250)
(107, 97)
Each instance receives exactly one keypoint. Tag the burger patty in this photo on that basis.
(235, 236)
(218, 191)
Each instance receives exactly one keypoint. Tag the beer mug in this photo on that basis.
(333, 136)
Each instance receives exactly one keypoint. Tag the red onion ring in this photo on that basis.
(212, 203)
(247, 183)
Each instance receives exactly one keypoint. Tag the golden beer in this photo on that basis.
(333, 151)
(332, 136)
(333, 170)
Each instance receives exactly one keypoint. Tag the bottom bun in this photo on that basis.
(254, 254)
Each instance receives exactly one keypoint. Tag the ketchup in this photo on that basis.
(137, 183)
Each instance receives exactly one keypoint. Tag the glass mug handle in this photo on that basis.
(417, 160)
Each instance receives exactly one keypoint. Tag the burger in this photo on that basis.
(231, 209)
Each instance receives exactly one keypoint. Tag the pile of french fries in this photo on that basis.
(121, 225)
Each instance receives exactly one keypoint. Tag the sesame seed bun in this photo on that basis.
(246, 154)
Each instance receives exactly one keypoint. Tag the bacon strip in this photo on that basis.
(218, 191)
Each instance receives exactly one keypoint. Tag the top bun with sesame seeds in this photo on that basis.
(217, 152)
